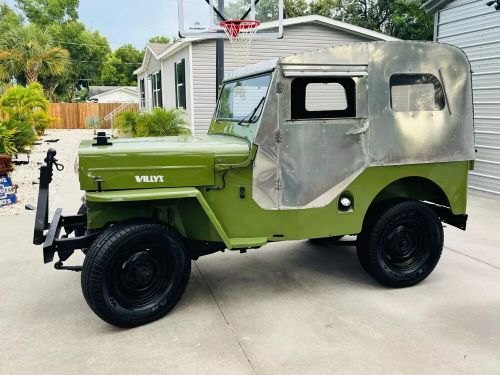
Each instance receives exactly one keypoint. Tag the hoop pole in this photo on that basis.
(219, 55)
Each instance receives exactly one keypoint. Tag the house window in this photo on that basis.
(180, 84)
(323, 97)
(142, 88)
(157, 92)
(416, 92)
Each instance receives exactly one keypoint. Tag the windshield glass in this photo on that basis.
(243, 100)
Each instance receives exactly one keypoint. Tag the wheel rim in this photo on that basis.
(406, 244)
(141, 274)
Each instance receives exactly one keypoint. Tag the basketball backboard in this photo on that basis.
(202, 18)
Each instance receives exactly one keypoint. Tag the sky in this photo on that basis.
(129, 21)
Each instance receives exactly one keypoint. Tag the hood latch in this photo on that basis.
(102, 140)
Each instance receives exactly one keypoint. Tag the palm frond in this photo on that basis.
(31, 50)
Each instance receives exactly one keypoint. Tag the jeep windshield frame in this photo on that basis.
(263, 75)
(242, 100)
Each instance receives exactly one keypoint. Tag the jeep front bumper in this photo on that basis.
(49, 234)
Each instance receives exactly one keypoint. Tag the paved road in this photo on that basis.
(291, 308)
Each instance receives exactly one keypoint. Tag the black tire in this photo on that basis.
(135, 273)
(79, 232)
(401, 246)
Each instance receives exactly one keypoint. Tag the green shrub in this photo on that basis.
(42, 121)
(22, 99)
(159, 123)
(24, 136)
(24, 116)
(127, 122)
(7, 140)
(28, 105)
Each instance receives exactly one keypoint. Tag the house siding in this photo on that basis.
(297, 39)
(153, 65)
(168, 81)
(473, 26)
(203, 85)
(119, 96)
(166, 65)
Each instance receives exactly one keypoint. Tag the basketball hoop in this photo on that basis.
(240, 34)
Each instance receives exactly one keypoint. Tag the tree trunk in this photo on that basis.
(73, 92)
(31, 77)
(51, 91)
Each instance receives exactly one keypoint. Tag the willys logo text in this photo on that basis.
(148, 179)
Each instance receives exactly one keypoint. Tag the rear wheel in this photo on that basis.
(134, 274)
(403, 245)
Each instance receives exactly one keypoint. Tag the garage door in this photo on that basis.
(475, 27)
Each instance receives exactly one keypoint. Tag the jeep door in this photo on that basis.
(322, 135)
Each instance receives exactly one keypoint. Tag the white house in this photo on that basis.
(474, 26)
(182, 74)
(113, 94)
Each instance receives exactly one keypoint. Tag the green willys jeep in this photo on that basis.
(370, 139)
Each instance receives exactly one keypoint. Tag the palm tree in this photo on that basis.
(30, 50)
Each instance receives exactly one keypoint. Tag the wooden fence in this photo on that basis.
(73, 115)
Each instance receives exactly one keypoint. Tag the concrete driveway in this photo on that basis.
(290, 308)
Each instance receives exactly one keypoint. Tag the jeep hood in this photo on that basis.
(142, 163)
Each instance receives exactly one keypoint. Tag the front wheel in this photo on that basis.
(135, 273)
(80, 231)
(403, 245)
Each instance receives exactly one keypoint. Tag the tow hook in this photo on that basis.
(98, 180)
(61, 267)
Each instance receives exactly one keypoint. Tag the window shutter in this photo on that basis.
(143, 93)
(176, 86)
(183, 87)
(160, 91)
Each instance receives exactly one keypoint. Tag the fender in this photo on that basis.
(176, 193)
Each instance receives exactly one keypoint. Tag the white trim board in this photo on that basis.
(343, 26)
(191, 89)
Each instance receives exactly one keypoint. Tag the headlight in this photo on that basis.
(345, 202)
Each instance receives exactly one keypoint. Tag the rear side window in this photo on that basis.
(416, 93)
(323, 97)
